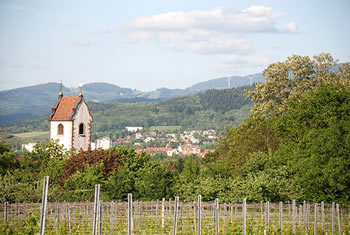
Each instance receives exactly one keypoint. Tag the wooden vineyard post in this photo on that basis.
(100, 217)
(199, 214)
(130, 223)
(332, 212)
(95, 212)
(111, 217)
(68, 219)
(163, 211)
(217, 214)
(315, 219)
(6, 211)
(338, 219)
(44, 205)
(322, 216)
(281, 215)
(157, 211)
(307, 218)
(175, 214)
(267, 210)
(293, 215)
(57, 219)
(244, 212)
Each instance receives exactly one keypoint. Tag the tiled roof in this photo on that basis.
(158, 149)
(189, 146)
(65, 108)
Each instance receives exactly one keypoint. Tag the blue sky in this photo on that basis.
(148, 44)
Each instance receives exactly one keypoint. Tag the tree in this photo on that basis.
(316, 144)
(293, 79)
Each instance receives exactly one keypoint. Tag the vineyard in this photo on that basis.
(173, 217)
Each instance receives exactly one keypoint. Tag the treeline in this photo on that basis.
(214, 109)
(294, 145)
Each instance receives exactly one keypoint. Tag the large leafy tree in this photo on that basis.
(316, 144)
(293, 79)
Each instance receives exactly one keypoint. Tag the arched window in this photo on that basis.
(60, 129)
(81, 129)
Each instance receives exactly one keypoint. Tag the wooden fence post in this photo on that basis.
(95, 212)
(322, 215)
(315, 219)
(44, 205)
(100, 217)
(130, 210)
(199, 214)
(217, 215)
(338, 219)
(6, 210)
(68, 219)
(244, 211)
(267, 210)
(293, 215)
(163, 211)
(57, 219)
(332, 212)
(281, 215)
(175, 214)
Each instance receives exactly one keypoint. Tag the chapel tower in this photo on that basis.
(70, 122)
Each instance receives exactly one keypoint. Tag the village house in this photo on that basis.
(103, 143)
(189, 149)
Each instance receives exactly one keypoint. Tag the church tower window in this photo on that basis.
(81, 129)
(60, 129)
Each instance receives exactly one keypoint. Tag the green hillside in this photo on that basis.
(214, 109)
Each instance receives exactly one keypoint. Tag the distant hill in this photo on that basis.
(33, 101)
(227, 82)
(213, 109)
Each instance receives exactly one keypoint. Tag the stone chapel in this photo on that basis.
(70, 122)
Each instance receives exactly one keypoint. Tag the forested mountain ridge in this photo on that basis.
(214, 109)
(33, 101)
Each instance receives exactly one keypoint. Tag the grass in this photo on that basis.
(33, 134)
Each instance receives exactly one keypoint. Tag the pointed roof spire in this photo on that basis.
(80, 88)
(61, 88)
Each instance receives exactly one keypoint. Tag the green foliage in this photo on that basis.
(8, 160)
(294, 79)
(85, 180)
(317, 143)
(145, 177)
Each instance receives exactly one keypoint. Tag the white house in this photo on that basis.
(70, 122)
(103, 143)
(28, 147)
(133, 128)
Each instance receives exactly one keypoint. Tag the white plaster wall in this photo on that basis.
(82, 116)
(66, 138)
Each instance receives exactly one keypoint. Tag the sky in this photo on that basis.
(149, 44)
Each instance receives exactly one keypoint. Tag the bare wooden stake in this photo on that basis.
(130, 221)
(281, 215)
(175, 215)
(315, 219)
(199, 214)
(293, 216)
(44, 205)
(338, 219)
(244, 211)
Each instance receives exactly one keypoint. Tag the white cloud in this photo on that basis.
(291, 28)
(252, 19)
(217, 31)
